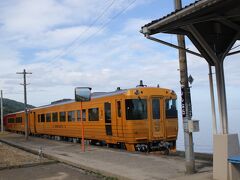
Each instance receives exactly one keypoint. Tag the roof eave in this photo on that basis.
(150, 29)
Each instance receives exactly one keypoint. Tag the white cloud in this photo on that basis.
(31, 17)
(52, 25)
(9, 60)
(120, 59)
(133, 25)
(61, 37)
(232, 72)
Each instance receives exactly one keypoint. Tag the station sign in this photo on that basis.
(183, 103)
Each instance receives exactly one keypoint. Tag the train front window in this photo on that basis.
(171, 108)
(136, 109)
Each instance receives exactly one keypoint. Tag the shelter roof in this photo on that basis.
(216, 22)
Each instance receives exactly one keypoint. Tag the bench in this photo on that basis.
(234, 159)
(234, 167)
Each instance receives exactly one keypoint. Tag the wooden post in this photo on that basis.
(186, 101)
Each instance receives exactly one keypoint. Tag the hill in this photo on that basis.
(11, 106)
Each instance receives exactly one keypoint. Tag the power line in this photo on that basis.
(100, 29)
(79, 36)
(38, 91)
(14, 93)
(235, 47)
(104, 25)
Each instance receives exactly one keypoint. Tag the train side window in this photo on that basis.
(19, 120)
(39, 118)
(55, 117)
(71, 116)
(84, 114)
(107, 109)
(119, 111)
(42, 117)
(62, 116)
(156, 108)
(10, 120)
(78, 115)
(93, 114)
(48, 117)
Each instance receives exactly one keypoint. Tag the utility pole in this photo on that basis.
(1, 111)
(186, 101)
(25, 100)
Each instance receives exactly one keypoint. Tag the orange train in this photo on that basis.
(138, 119)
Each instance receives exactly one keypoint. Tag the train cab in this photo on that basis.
(151, 119)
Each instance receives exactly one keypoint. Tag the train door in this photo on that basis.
(108, 118)
(157, 117)
(119, 120)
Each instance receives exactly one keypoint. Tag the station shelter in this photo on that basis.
(213, 26)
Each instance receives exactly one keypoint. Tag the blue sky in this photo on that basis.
(69, 43)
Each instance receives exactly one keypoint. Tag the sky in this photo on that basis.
(70, 43)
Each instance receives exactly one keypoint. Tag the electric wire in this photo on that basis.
(99, 29)
(91, 36)
(107, 23)
(235, 47)
(83, 32)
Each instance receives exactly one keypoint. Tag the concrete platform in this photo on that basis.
(111, 162)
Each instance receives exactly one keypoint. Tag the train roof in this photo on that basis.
(94, 95)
